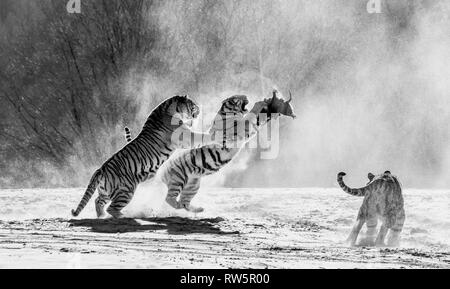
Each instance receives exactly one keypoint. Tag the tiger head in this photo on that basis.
(182, 107)
(386, 176)
(234, 105)
(232, 109)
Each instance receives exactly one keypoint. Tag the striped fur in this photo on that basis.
(383, 201)
(139, 160)
(183, 173)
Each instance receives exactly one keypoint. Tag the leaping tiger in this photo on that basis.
(139, 160)
(382, 200)
(183, 173)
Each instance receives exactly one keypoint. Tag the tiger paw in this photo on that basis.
(114, 213)
(173, 203)
(367, 242)
(193, 209)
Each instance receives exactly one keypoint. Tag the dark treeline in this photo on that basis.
(69, 83)
(61, 82)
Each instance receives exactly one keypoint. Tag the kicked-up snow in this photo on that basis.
(240, 228)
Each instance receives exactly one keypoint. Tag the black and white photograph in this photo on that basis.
(224, 134)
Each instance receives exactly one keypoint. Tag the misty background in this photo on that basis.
(371, 91)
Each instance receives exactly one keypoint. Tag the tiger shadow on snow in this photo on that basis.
(173, 225)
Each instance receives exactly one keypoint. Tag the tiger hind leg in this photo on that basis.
(381, 235)
(188, 193)
(100, 203)
(120, 199)
(371, 233)
(393, 239)
(172, 196)
(355, 231)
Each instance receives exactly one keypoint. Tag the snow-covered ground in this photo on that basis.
(240, 228)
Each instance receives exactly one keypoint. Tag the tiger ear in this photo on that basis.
(370, 176)
(387, 172)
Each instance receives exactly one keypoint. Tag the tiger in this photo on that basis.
(382, 200)
(140, 159)
(183, 173)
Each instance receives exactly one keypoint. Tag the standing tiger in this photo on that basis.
(139, 160)
(382, 200)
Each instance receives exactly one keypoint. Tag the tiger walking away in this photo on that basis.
(383, 201)
(117, 179)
